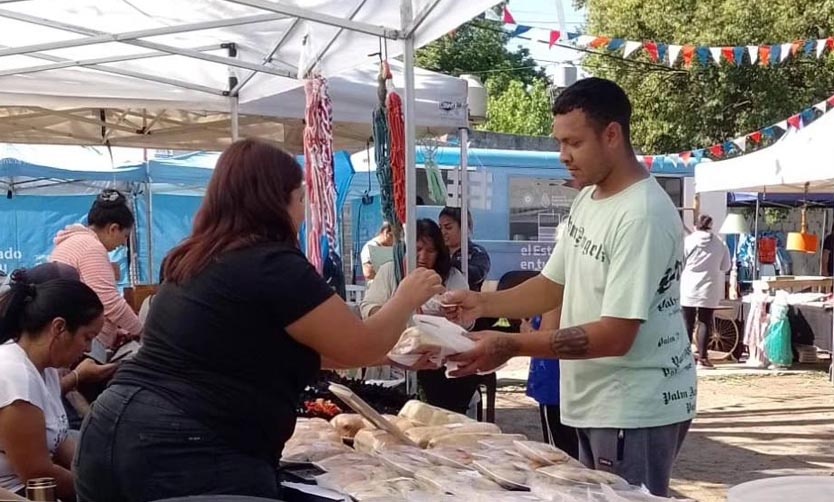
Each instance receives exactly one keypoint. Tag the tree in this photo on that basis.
(678, 109)
(519, 109)
(480, 47)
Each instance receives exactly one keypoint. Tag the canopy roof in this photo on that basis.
(802, 158)
(167, 73)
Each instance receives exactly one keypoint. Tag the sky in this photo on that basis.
(544, 14)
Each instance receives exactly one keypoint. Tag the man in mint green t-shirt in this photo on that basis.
(628, 381)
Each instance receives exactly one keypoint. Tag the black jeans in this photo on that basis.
(694, 315)
(135, 446)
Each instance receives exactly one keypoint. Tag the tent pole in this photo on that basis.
(406, 16)
(235, 118)
(824, 226)
(756, 242)
(464, 202)
(148, 191)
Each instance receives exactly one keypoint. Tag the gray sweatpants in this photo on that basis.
(641, 456)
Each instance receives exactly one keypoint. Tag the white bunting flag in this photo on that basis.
(753, 50)
(821, 106)
(741, 143)
(786, 51)
(630, 47)
(491, 15)
(821, 46)
(716, 54)
(783, 125)
(584, 40)
(674, 52)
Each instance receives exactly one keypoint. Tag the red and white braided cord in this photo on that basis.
(396, 128)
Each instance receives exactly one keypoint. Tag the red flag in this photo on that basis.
(717, 151)
(756, 137)
(599, 42)
(830, 102)
(651, 48)
(508, 18)
(648, 160)
(795, 122)
(728, 54)
(764, 55)
(685, 156)
(554, 37)
(797, 46)
(830, 43)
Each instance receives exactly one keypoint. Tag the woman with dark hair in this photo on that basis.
(479, 262)
(706, 261)
(433, 254)
(43, 327)
(86, 249)
(241, 325)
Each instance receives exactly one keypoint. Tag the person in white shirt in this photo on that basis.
(43, 327)
(385, 238)
(706, 261)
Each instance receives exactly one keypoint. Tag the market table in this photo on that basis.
(811, 324)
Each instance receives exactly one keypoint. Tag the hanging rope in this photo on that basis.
(319, 171)
(437, 187)
(396, 128)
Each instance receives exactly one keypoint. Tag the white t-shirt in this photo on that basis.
(21, 381)
(365, 254)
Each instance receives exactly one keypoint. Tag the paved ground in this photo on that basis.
(751, 424)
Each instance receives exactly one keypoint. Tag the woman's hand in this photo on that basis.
(89, 371)
(419, 286)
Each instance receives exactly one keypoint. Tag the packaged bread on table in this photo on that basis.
(390, 489)
(468, 439)
(510, 475)
(405, 459)
(373, 440)
(307, 453)
(348, 424)
(347, 460)
(570, 475)
(427, 415)
(463, 483)
(543, 453)
(451, 456)
(423, 435)
(339, 480)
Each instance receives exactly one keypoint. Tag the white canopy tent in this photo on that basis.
(804, 157)
(201, 59)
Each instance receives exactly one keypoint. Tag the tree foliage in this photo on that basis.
(520, 109)
(683, 109)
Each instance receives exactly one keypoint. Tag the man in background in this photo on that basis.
(384, 238)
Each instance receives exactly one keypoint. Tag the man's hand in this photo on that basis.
(427, 361)
(462, 307)
(493, 350)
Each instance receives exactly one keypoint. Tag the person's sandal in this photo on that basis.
(705, 363)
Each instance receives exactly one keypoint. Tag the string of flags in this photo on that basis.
(742, 144)
(691, 55)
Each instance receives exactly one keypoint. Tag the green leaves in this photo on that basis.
(519, 109)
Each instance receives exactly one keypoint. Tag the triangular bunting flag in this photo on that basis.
(795, 121)
(821, 106)
(741, 143)
(520, 29)
(662, 50)
(508, 18)
(599, 42)
(703, 53)
(584, 40)
(630, 47)
(783, 125)
(821, 43)
(729, 55)
(764, 54)
(770, 132)
(491, 15)
(717, 151)
(753, 50)
(616, 44)
(797, 46)
(674, 52)
(685, 156)
(808, 115)
(554, 37)
(699, 154)
(716, 54)
(829, 42)
(573, 36)
(688, 54)
(755, 137)
(786, 51)
(775, 54)
(729, 147)
(648, 160)
(830, 102)
(809, 47)
(738, 52)
(651, 48)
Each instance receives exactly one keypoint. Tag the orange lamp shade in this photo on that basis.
(802, 242)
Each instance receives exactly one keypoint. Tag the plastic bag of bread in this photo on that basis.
(390, 489)
(339, 480)
(423, 435)
(347, 460)
(312, 424)
(400, 423)
(508, 475)
(451, 456)
(348, 424)
(372, 440)
(315, 436)
(571, 475)
(305, 453)
(467, 440)
(430, 335)
(425, 414)
(405, 462)
(463, 483)
(543, 453)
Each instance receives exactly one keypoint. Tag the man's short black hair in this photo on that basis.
(603, 101)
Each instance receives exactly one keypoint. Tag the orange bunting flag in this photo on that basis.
(728, 54)
(764, 55)
(797, 46)
(688, 54)
(599, 42)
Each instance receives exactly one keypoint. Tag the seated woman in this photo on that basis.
(42, 327)
(432, 254)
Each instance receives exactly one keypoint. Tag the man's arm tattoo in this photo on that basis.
(569, 343)
(505, 346)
